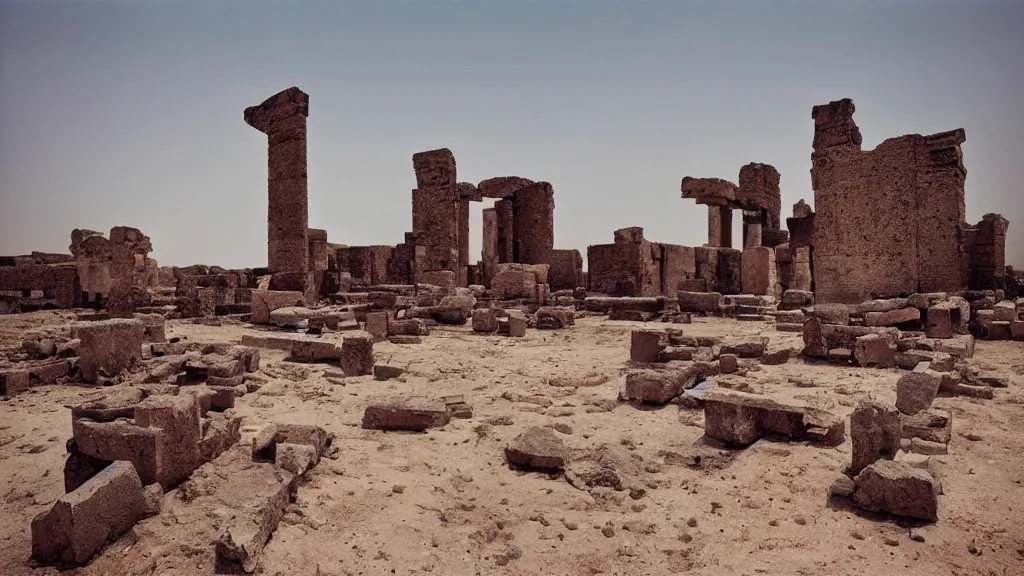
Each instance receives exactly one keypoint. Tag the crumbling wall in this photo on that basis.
(58, 283)
(633, 266)
(985, 245)
(566, 271)
(886, 221)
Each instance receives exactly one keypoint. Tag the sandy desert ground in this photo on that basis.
(445, 502)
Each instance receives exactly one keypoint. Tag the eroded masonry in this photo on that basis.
(883, 273)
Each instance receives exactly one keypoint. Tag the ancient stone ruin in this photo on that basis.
(219, 420)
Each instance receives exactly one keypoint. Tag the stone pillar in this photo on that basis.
(282, 117)
(490, 244)
(534, 223)
(725, 240)
(461, 273)
(505, 225)
(802, 269)
(751, 234)
(435, 211)
(318, 254)
(714, 226)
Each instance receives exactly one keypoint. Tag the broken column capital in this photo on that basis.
(711, 191)
(280, 106)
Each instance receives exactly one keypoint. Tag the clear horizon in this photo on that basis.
(129, 113)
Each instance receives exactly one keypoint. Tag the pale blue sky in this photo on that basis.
(130, 112)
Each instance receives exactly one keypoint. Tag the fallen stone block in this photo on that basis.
(728, 363)
(835, 314)
(875, 350)
(815, 344)
(926, 447)
(266, 301)
(554, 318)
(776, 357)
(120, 440)
(249, 356)
(13, 382)
(745, 347)
(882, 305)
(81, 522)
(896, 488)
(926, 300)
(357, 356)
(242, 541)
(842, 487)
(680, 353)
(892, 317)
(796, 299)
(660, 386)
(700, 302)
(1017, 329)
(973, 391)
(874, 434)
(413, 415)
(916, 391)
(645, 345)
(315, 351)
(1005, 311)
(387, 371)
(407, 327)
(295, 458)
(537, 448)
(220, 432)
(377, 325)
(485, 320)
(178, 420)
(933, 425)
(840, 355)
(512, 326)
(741, 418)
(108, 347)
(457, 406)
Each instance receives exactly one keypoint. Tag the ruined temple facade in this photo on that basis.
(519, 229)
(892, 220)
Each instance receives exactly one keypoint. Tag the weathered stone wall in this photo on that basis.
(282, 117)
(368, 265)
(985, 245)
(566, 271)
(615, 269)
(888, 220)
(633, 266)
(59, 283)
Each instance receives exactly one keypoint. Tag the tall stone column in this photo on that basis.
(435, 213)
(506, 245)
(490, 244)
(534, 223)
(714, 226)
(725, 226)
(282, 117)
